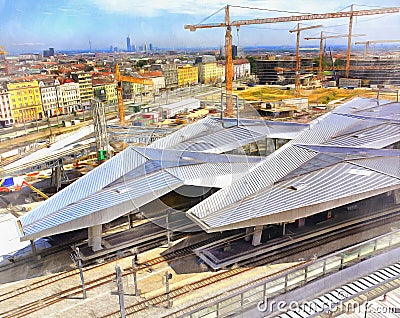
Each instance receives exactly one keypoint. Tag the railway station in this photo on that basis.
(239, 182)
(219, 176)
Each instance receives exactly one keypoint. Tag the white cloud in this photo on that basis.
(203, 8)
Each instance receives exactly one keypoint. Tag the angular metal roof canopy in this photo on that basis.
(336, 159)
(332, 163)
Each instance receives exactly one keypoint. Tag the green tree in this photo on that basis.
(253, 64)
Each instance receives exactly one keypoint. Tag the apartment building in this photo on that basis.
(187, 75)
(85, 87)
(25, 101)
(241, 69)
(48, 92)
(105, 91)
(170, 72)
(211, 73)
(69, 99)
(157, 79)
(6, 118)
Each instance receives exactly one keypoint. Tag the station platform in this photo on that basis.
(129, 240)
(219, 255)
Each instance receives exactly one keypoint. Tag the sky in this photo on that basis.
(34, 25)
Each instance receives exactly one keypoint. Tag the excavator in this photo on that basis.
(11, 184)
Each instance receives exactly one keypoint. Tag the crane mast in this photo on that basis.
(228, 65)
(321, 39)
(297, 77)
(367, 43)
(122, 78)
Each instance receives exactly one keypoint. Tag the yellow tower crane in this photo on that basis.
(3, 52)
(321, 39)
(228, 24)
(367, 43)
(122, 78)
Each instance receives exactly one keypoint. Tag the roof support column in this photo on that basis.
(257, 235)
(396, 194)
(94, 237)
(249, 231)
(34, 252)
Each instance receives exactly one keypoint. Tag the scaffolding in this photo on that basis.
(100, 131)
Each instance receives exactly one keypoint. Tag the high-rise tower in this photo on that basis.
(128, 44)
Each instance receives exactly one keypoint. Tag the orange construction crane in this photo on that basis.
(318, 16)
(367, 43)
(2, 50)
(4, 53)
(122, 78)
(321, 39)
(297, 74)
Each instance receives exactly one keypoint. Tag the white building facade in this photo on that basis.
(6, 118)
(69, 98)
(241, 69)
(48, 92)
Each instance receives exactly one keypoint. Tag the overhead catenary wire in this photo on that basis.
(270, 10)
(211, 15)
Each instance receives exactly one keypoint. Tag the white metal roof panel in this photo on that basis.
(58, 146)
(378, 136)
(216, 175)
(263, 176)
(124, 192)
(329, 184)
(89, 184)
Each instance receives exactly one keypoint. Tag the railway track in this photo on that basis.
(34, 306)
(38, 305)
(280, 254)
(89, 266)
(261, 260)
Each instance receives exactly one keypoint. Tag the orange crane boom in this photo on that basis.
(321, 39)
(304, 17)
(367, 43)
(297, 78)
(122, 78)
(3, 50)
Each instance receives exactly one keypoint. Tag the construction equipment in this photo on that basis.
(333, 65)
(122, 78)
(297, 77)
(3, 52)
(321, 39)
(11, 184)
(367, 43)
(228, 35)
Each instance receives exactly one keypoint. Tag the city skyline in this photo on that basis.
(28, 26)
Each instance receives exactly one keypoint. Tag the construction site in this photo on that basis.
(232, 201)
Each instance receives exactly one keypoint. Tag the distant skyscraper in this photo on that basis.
(128, 44)
(151, 47)
(51, 51)
(234, 51)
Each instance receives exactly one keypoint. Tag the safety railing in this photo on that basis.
(241, 301)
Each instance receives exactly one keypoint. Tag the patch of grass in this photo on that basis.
(320, 95)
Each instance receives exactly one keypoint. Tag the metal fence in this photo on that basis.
(243, 300)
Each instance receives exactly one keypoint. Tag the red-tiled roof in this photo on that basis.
(152, 74)
(101, 81)
(240, 61)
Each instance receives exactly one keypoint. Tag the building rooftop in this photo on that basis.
(337, 159)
